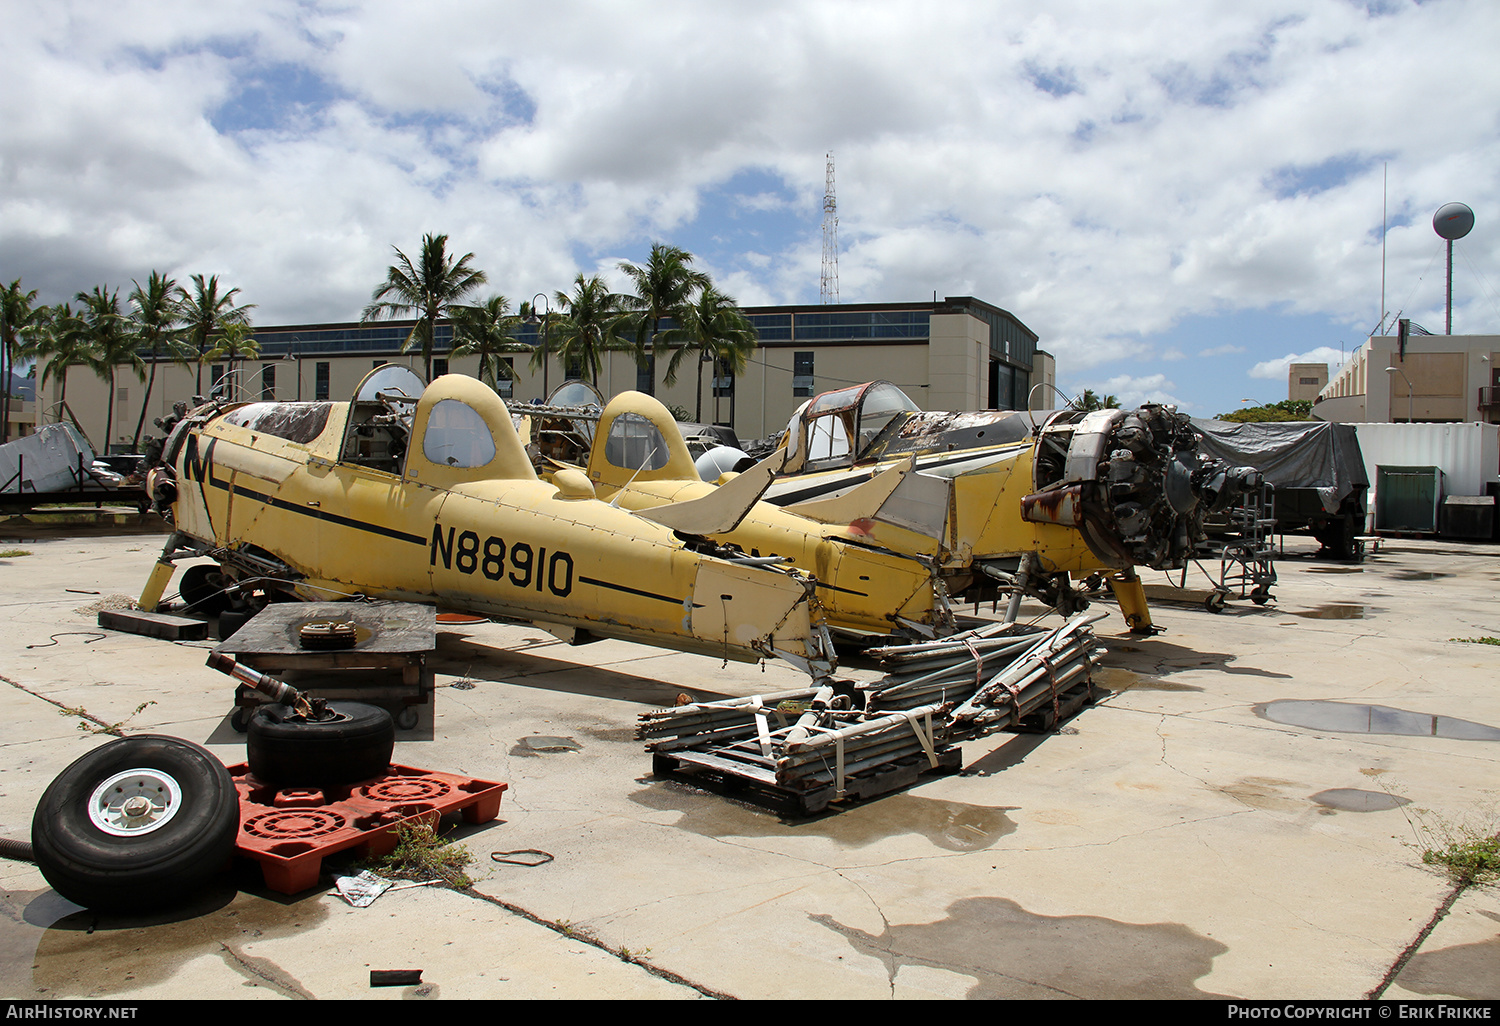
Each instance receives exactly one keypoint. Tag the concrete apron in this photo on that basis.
(1235, 817)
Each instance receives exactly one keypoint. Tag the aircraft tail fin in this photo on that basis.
(899, 496)
(721, 510)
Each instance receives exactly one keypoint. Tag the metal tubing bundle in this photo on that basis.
(933, 695)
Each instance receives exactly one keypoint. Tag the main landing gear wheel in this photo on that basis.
(202, 588)
(136, 824)
(354, 743)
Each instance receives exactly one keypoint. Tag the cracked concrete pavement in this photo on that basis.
(1239, 815)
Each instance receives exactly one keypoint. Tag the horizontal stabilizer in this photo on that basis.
(720, 511)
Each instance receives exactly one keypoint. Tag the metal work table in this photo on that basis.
(391, 636)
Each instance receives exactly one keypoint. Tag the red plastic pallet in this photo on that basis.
(289, 831)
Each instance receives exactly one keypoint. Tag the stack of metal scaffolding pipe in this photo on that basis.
(933, 695)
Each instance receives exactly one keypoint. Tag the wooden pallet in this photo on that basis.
(736, 775)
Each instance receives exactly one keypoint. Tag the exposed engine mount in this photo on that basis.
(1133, 482)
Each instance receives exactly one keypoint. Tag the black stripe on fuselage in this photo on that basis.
(387, 532)
(629, 591)
(316, 514)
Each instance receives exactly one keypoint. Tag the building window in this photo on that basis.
(439, 368)
(574, 369)
(802, 374)
(378, 363)
(645, 377)
(268, 381)
(723, 379)
(505, 381)
(1307, 381)
(320, 380)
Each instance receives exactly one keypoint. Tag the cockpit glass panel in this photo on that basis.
(843, 399)
(634, 443)
(457, 436)
(883, 402)
(828, 438)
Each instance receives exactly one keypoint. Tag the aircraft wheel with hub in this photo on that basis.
(136, 823)
(354, 742)
(202, 588)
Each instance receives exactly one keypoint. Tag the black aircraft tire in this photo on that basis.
(289, 751)
(136, 824)
(202, 588)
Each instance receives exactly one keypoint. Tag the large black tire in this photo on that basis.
(288, 751)
(136, 824)
(202, 589)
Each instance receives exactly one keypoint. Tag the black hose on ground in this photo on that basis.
(16, 851)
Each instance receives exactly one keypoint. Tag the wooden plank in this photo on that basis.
(386, 628)
(154, 625)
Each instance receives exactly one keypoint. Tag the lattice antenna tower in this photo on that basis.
(829, 287)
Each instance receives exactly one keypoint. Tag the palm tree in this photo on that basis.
(103, 328)
(1088, 402)
(237, 339)
(486, 331)
(62, 346)
(718, 333)
(205, 314)
(155, 312)
(664, 289)
(590, 325)
(428, 289)
(18, 321)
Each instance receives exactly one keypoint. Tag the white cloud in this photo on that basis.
(1104, 172)
(1276, 370)
(1224, 350)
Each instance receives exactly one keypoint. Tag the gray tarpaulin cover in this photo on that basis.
(1291, 454)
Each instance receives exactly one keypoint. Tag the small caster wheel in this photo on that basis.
(239, 719)
(1214, 603)
(1260, 598)
(407, 717)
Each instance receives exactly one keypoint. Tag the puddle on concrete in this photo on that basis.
(1418, 575)
(1113, 678)
(1335, 570)
(1356, 799)
(1012, 953)
(1350, 718)
(88, 954)
(1467, 971)
(542, 744)
(950, 825)
(1335, 612)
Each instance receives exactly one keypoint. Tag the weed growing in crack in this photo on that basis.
(422, 855)
(1467, 848)
(98, 726)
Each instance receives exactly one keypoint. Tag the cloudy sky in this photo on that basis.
(1176, 195)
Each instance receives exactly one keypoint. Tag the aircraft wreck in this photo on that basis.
(428, 495)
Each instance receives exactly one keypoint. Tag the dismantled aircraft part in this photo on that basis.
(327, 634)
(641, 462)
(278, 691)
(138, 823)
(816, 745)
(433, 499)
(1133, 482)
(720, 460)
(344, 743)
(205, 589)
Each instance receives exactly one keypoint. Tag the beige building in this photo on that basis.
(955, 354)
(1305, 380)
(1434, 379)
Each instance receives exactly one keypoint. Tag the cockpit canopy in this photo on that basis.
(838, 429)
